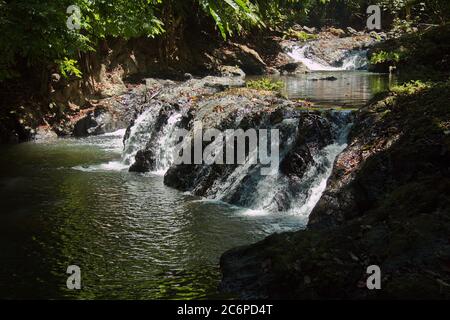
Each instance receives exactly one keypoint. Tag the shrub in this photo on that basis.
(265, 84)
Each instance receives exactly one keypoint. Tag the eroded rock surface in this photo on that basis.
(223, 103)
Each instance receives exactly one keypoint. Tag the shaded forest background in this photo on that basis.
(35, 38)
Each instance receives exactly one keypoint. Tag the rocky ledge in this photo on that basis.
(224, 103)
(386, 204)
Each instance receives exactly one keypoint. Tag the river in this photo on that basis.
(72, 202)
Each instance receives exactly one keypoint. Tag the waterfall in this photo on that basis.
(309, 145)
(353, 60)
(242, 185)
(153, 129)
(263, 198)
(324, 160)
(257, 192)
(166, 144)
(140, 133)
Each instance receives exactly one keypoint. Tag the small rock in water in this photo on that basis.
(331, 78)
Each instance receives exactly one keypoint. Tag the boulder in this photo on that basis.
(97, 122)
(247, 59)
(337, 32)
(293, 68)
(352, 31)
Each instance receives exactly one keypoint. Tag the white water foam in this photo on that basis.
(109, 166)
(166, 142)
(355, 60)
(111, 141)
(140, 134)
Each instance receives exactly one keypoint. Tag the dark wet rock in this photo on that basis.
(293, 68)
(97, 122)
(385, 204)
(171, 97)
(331, 78)
(188, 76)
(221, 103)
(241, 55)
(297, 161)
(144, 161)
(313, 133)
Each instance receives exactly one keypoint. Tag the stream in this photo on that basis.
(73, 202)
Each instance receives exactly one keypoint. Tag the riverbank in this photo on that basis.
(118, 66)
(383, 201)
(385, 204)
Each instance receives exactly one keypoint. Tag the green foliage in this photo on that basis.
(34, 32)
(232, 15)
(299, 35)
(265, 84)
(68, 67)
(407, 11)
(411, 87)
(383, 56)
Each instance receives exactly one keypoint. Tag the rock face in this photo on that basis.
(386, 204)
(223, 103)
(241, 55)
(108, 115)
(293, 68)
(331, 48)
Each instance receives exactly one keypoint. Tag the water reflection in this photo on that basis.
(133, 237)
(350, 89)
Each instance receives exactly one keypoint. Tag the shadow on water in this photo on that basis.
(132, 237)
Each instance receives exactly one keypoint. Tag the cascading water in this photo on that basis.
(242, 185)
(166, 144)
(140, 133)
(303, 205)
(263, 198)
(353, 60)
